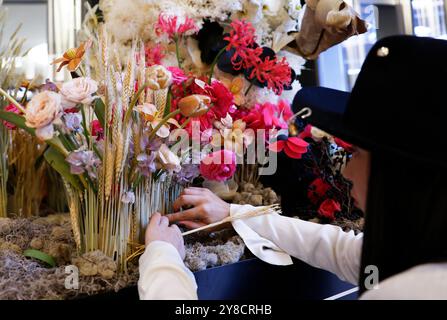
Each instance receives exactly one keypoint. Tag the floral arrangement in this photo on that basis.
(191, 100)
(275, 21)
(8, 53)
(126, 137)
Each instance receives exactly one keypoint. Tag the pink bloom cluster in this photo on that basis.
(219, 165)
(170, 25)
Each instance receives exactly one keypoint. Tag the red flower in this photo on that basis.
(243, 40)
(317, 189)
(276, 73)
(306, 133)
(11, 108)
(97, 130)
(154, 55)
(294, 147)
(169, 25)
(205, 123)
(72, 110)
(221, 98)
(343, 144)
(178, 76)
(328, 208)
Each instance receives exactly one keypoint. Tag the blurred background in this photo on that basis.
(50, 27)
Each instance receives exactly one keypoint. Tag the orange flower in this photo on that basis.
(72, 57)
(236, 86)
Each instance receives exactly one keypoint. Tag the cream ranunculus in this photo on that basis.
(43, 109)
(272, 7)
(79, 90)
(168, 160)
(158, 77)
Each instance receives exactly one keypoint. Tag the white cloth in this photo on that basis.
(274, 239)
(322, 246)
(163, 275)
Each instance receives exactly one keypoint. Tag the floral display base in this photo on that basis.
(255, 279)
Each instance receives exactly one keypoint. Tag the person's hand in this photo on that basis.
(206, 208)
(159, 229)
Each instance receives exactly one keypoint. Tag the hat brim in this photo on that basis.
(328, 108)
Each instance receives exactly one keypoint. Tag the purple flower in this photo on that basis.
(49, 86)
(73, 122)
(146, 163)
(188, 173)
(82, 161)
(128, 197)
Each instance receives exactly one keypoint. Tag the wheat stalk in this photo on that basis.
(73, 205)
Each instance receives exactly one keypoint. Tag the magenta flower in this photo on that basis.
(178, 76)
(11, 108)
(219, 165)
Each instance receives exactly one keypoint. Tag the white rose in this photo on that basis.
(79, 90)
(43, 109)
(168, 160)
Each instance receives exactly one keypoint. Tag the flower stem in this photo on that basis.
(249, 88)
(177, 51)
(184, 124)
(12, 100)
(216, 59)
(163, 122)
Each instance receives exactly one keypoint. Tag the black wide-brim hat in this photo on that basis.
(398, 103)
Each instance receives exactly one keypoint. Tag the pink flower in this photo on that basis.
(169, 25)
(328, 209)
(219, 165)
(97, 130)
(268, 116)
(154, 55)
(11, 108)
(178, 76)
(285, 110)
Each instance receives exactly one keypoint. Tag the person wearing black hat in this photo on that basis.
(395, 116)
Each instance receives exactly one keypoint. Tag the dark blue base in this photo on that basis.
(255, 279)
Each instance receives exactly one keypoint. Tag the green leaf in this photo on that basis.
(40, 160)
(17, 120)
(41, 256)
(100, 111)
(168, 104)
(57, 161)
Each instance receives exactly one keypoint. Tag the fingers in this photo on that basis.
(164, 222)
(186, 200)
(195, 191)
(155, 220)
(190, 214)
(192, 224)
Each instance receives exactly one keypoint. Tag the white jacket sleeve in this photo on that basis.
(328, 247)
(163, 275)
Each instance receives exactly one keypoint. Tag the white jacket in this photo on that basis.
(274, 238)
